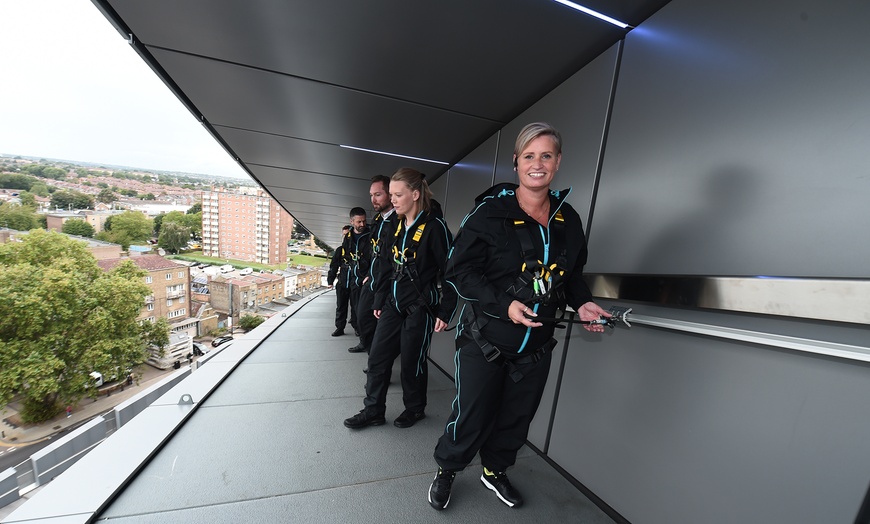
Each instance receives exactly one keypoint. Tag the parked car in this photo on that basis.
(200, 349)
(220, 340)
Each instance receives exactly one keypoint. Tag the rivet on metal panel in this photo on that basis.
(185, 399)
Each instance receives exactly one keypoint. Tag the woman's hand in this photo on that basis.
(592, 311)
(440, 325)
(519, 313)
(376, 313)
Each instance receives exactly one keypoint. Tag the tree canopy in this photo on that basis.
(44, 171)
(173, 236)
(249, 322)
(22, 218)
(77, 226)
(127, 228)
(16, 181)
(192, 221)
(62, 317)
(106, 196)
(66, 199)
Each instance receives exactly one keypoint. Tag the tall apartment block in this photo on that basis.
(245, 225)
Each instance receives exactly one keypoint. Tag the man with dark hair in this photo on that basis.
(382, 226)
(339, 272)
(357, 247)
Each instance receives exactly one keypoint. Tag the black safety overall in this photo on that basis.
(499, 388)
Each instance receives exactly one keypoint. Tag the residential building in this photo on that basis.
(308, 280)
(227, 293)
(289, 276)
(245, 225)
(100, 249)
(170, 291)
(97, 219)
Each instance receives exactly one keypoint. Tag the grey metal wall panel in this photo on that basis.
(672, 428)
(732, 150)
(467, 179)
(738, 143)
(540, 427)
(8, 487)
(577, 109)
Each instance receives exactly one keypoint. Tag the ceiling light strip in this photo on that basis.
(394, 154)
(590, 12)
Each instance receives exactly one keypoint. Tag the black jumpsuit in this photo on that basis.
(339, 273)
(381, 229)
(358, 249)
(496, 400)
(409, 300)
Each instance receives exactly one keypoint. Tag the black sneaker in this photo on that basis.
(338, 333)
(363, 419)
(498, 482)
(439, 491)
(359, 348)
(408, 418)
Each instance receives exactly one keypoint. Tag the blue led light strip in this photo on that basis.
(590, 12)
(394, 154)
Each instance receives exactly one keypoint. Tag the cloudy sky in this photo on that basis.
(72, 88)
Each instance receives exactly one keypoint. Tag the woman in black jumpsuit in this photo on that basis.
(407, 302)
(518, 254)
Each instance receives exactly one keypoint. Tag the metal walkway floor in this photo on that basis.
(269, 446)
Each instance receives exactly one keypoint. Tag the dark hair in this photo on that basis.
(345, 227)
(358, 211)
(416, 181)
(383, 179)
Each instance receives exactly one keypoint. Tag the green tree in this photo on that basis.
(39, 188)
(158, 223)
(156, 334)
(148, 196)
(106, 195)
(249, 322)
(71, 199)
(173, 236)
(62, 317)
(17, 181)
(191, 221)
(127, 228)
(22, 218)
(321, 244)
(76, 226)
(52, 172)
(196, 208)
(27, 199)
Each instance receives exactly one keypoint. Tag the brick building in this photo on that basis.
(246, 225)
(170, 291)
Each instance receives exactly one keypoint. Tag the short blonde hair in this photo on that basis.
(535, 130)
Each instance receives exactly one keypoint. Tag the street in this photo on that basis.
(20, 443)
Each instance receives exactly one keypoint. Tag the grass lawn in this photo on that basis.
(197, 256)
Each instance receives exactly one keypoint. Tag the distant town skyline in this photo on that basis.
(75, 90)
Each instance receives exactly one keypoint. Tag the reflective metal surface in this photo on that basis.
(838, 300)
(820, 347)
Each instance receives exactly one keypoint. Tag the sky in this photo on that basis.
(72, 88)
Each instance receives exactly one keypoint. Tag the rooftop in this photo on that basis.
(267, 444)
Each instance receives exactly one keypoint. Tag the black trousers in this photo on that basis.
(366, 321)
(342, 304)
(491, 412)
(407, 337)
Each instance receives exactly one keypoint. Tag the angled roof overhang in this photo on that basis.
(283, 85)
